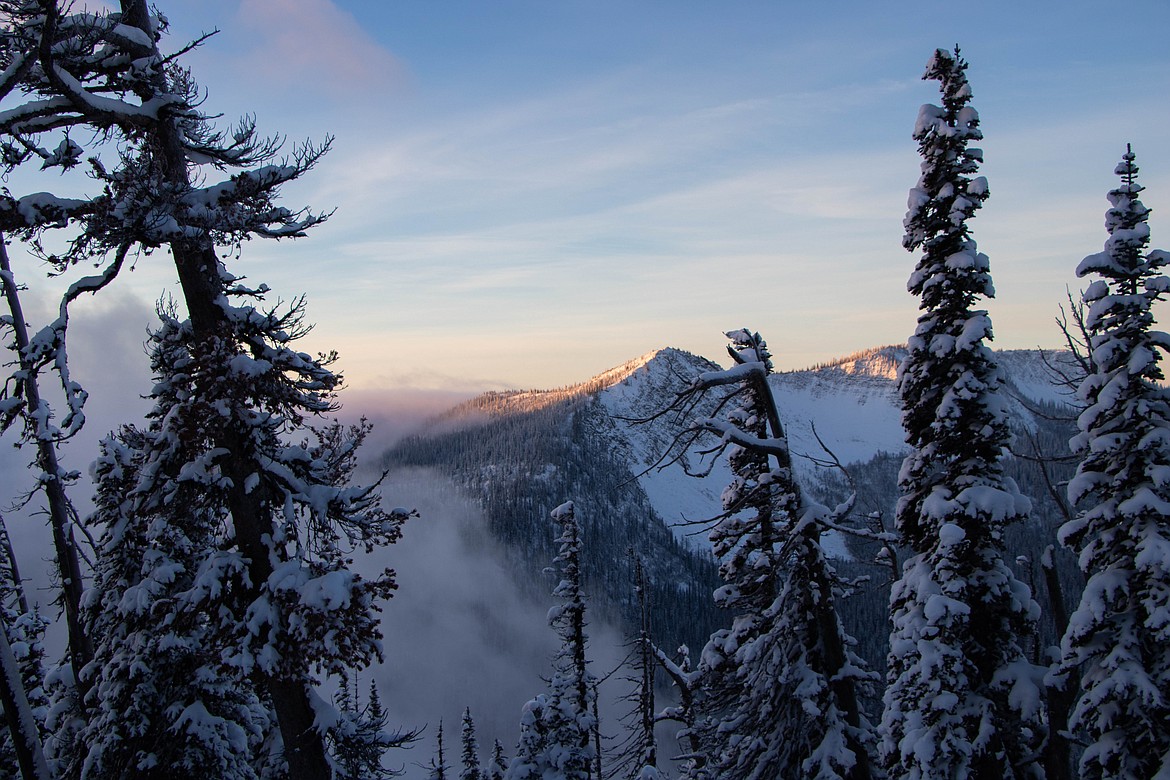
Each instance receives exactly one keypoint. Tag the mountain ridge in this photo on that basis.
(606, 444)
(849, 405)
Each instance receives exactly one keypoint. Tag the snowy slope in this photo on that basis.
(621, 405)
(853, 402)
(682, 501)
(1030, 373)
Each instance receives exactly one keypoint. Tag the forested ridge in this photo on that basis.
(517, 465)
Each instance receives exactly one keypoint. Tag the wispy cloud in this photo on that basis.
(577, 149)
(314, 46)
(624, 203)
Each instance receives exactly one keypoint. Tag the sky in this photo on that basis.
(526, 193)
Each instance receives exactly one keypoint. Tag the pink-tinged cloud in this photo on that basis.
(314, 44)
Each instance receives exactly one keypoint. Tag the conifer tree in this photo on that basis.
(23, 700)
(438, 767)
(1118, 637)
(360, 739)
(22, 750)
(781, 682)
(961, 699)
(470, 757)
(21, 742)
(556, 728)
(499, 763)
(162, 703)
(284, 607)
(638, 751)
(22, 401)
(688, 685)
(182, 639)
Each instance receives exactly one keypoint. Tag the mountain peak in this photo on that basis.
(618, 373)
(503, 402)
(878, 362)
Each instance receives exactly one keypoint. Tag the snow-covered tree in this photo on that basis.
(360, 738)
(781, 682)
(23, 750)
(24, 406)
(688, 686)
(182, 634)
(147, 665)
(1118, 637)
(163, 702)
(556, 728)
(498, 766)
(961, 699)
(23, 700)
(282, 606)
(470, 757)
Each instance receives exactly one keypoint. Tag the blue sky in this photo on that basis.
(530, 192)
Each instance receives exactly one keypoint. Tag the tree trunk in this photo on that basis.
(1061, 695)
(21, 723)
(60, 513)
(199, 278)
(303, 749)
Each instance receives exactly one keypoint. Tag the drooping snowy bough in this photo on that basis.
(961, 699)
(1117, 639)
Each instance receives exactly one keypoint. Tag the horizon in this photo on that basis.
(432, 397)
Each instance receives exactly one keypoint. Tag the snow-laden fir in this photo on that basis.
(557, 727)
(962, 699)
(780, 686)
(1117, 640)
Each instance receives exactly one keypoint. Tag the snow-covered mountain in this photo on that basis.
(472, 569)
(604, 444)
(519, 454)
(853, 402)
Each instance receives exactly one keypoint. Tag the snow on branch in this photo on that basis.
(731, 434)
(14, 74)
(39, 210)
(734, 375)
